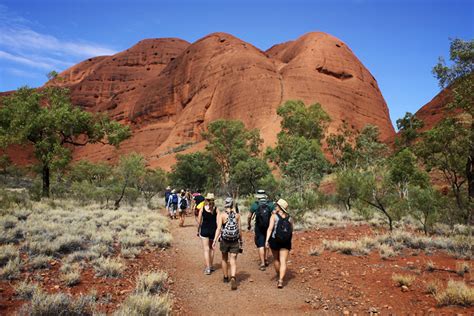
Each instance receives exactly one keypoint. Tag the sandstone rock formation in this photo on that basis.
(169, 90)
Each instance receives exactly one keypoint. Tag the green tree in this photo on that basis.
(347, 186)
(408, 127)
(94, 173)
(341, 147)
(247, 174)
(404, 172)
(369, 150)
(229, 142)
(128, 174)
(298, 151)
(459, 78)
(48, 121)
(195, 171)
(424, 205)
(152, 182)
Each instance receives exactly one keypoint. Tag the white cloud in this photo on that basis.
(20, 43)
(23, 73)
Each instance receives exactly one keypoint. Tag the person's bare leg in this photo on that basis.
(276, 261)
(283, 259)
(205, 245)
(211, 254)
(182, 216)
(261, 254)
(233, 264)
(225, 257)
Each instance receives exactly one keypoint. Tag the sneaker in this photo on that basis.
(280, 284)
(213, 269)
(226, 279)
(207, 271)
(233, 284)
(262, 267)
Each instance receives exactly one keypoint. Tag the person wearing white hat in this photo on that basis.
(279, 235)
(207, 226)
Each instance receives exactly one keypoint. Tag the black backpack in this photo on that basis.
(263, 215)
(284, 230)
(183, 204)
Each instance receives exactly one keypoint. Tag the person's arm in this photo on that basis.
(250, 217)
(239, 222)
(218, 230)
(270, 230)
(199, 219)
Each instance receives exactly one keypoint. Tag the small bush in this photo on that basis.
(131, 252)
(144, 305)
(11, 270)
(68, 244)
(71, 278)
(40, 262)
(131, 240)
(67, 267)
(386, 252)
(43, 304)
(462, 268)
(316, 251)
(151, 282)
(160, 239)
(108, 267)
(457, 293)
(430, 266)
(433, 287)
(25, 290)
(7, 253)
(403, 279)
(346, 247)
(8, 222)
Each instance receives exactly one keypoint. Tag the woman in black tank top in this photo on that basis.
(207, 225)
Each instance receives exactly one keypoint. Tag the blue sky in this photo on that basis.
(398, 41)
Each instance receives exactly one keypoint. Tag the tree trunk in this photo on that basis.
(470, 184)
(117, 202)
(46, 174)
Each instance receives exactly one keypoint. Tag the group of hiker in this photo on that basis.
(273, 230)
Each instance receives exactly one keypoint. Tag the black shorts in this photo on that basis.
(260, 237)
(229, 246)
(207, 232)
(275, 245)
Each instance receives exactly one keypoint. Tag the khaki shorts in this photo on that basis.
(229, 246)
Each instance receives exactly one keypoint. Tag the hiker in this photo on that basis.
(279, 235)
(189, 199)
(172, 204)
(261, 210)
(198, 204)
(207, 225)
(228, 229)
(167, 196)
(183, 206)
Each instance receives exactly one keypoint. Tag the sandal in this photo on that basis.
(280, 284)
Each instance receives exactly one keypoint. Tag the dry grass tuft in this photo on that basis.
(462, 268)
(403, 279)
(151, 282)
(25, 290)
(144, 304)
(456, 293)
(108, 267)
(433, 287)
(316, 251)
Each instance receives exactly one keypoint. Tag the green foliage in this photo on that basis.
(48, 121)
(341, 147)
(128, 174)
(247, 174)
(298, 151)
(408, 127)
(85, 170)
(195, 171)
(347, 186)
(152, 182)
(403, 172)
(424, 205)
(368, 148)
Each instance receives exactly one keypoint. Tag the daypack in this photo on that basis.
(284, 230)
(263, 215)
(230, 232)
(174, 199)
(167, 196)
(183, 204)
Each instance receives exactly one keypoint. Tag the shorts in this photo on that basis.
(260, 238)
(207, 233)
(182, 211)
(275, 245)
(173, 207)
(229, 246)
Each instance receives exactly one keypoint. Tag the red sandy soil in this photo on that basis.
(328, 284)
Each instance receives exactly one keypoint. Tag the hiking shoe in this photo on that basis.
(207, 271)
(212, 269)
(233, 284)
(226, 279)
(262, 267)
(280, 284)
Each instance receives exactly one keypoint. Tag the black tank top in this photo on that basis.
(209, 220)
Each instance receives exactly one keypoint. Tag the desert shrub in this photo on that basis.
(433, 287)
(40, 262)
(151, 282)
(8, 222)
(7, 253)
(145, 305)
(316, 251)
(130, 239)
(71, 278)
(354, 248)
(67, 267)
(430, 266)
(462, 268)
(68, 243)
(403, 279)
(130, 252)
(25, 290)
(43, 304)
(11, 270)
(159, 239)
(456, 293)
(386, 251)
(82, 255)
(108, 267)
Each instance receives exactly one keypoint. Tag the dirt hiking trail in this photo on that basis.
(198, 294)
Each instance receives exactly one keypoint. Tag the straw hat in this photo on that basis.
(168, 188)
(283, 205)
(210, 196)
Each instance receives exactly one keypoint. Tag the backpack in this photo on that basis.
(263, 215)
(183, 204)
(284, 230)
(167, 196)
(231, 232)
(174, 199)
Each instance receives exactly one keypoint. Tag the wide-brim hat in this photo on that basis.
(168, 188)
(283, 205)
(173, 191)
(210, 196)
